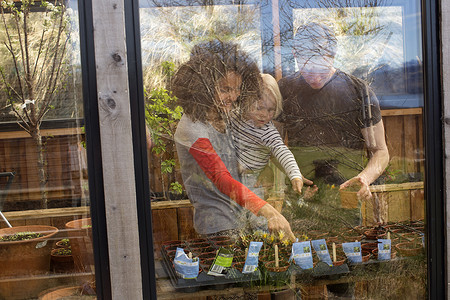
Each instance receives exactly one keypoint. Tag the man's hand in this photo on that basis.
(364, 191)
(276, 221)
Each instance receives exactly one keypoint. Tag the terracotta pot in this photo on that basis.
(171, 254)
(340, 260)
(64, 293)
(197, 241)
(207, 255)
(62, 244)
(239, 265)
(80, 236)
(332, 239)
(224, 244)
(200, 245)
(411, 237)
(26, 257)
(373, 234)
(409, 249)
(366, 255)
(375, 253)
(206, 263)
(283, 265)
(351, 238)
(369, 246)
(317, 234)
(61, 263)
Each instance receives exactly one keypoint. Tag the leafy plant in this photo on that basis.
(20, 236)
(63, 252)
(162, 116)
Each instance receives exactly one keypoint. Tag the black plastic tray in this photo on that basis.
(235, 277)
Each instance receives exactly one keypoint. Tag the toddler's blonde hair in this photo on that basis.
(270, 88)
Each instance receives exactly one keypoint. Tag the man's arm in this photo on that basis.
(376, 143)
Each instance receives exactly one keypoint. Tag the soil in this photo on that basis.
(283, 266)
(62, 252)
(20, 236)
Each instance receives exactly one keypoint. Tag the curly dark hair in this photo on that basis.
(195, 82)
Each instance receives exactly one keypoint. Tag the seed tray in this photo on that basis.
(235, 277)
(204, 281)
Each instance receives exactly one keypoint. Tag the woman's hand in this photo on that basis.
(364, 191)
(276, 221)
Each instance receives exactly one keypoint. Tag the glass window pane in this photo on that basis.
(290, 130)
(46, 233)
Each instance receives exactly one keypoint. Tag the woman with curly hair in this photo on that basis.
(217, 79)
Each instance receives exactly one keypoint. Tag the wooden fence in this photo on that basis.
(64, 168)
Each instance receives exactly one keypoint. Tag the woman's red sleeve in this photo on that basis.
(214, 168)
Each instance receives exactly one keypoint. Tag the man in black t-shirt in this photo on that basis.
(331, 111)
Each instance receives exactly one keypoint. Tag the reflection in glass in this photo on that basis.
(347, 121)
(42, 147)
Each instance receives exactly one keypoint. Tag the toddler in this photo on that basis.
(256, 138)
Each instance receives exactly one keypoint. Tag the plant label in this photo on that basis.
(222, 263)
(302, 255)
(251, 261)
(185, 267)
(320, 246)
(353, 252)
(384, 249)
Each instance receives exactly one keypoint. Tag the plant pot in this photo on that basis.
(369, 246)
(375, 253)
(224, 244)
(27, 257)
(373, 234)
(80, 236)
(196, 241)
(366, 255)
(283, 265)
(351, 238)
(61, 263)
(317, 234)
(239, 265)
(73, 292)
(62, 244)
(409, 249)
(340, 260)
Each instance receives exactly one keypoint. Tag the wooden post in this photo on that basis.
(445, 37)
(117, 149)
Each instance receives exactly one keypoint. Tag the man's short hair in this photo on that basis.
(315, 39)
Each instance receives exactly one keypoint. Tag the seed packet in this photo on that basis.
(353, 252)
(251, 261)
(185, 267)
(301, 253)
(384, 249)
(222, 263)
(320, 246)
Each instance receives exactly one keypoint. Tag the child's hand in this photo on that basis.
(297, 185)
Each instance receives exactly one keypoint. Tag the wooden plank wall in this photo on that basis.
(166, 214)
(64, 169)
(404, 137)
